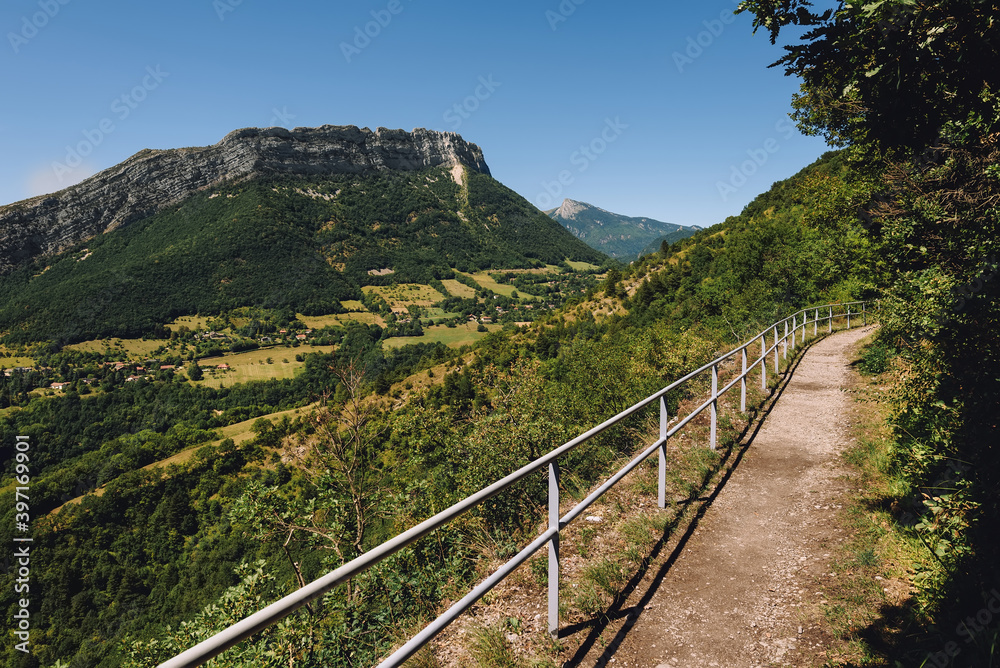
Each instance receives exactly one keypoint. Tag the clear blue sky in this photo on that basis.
(642, 108)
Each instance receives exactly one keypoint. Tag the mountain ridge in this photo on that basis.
(152, 179)
(620, 236)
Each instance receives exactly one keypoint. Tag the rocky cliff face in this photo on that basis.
(151, 180)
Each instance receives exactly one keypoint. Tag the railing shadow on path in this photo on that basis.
(727, 465)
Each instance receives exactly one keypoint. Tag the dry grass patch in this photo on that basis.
(261, 364)
(453, 337)
(401, 295)
(133, 348)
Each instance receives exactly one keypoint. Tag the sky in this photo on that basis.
(665, 109)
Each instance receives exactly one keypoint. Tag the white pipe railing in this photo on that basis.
(277, 611)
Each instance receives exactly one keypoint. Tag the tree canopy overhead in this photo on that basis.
(893, 72)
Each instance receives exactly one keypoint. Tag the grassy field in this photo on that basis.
(321, 321)
(14, 360)
(582, 266)
(402, 295)
(459, 289)
(485, 280)
(134, 348)
(253, 365)
(438, 313)
(454, 337)
(190, 321)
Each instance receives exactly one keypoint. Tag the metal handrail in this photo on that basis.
(280, 609)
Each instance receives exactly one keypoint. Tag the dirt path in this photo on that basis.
(744, 590)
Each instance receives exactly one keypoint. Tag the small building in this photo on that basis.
(59, 386)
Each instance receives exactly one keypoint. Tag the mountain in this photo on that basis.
(296, 219)
(619, 236)
(151, 180)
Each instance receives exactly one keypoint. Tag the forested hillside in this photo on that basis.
(290, 243)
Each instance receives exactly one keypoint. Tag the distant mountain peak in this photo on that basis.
(619, 236)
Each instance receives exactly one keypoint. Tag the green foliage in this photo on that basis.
(271, 244)
(267, 648)
(491, 649)
(893, 72)
(875, 358)
(795, 245)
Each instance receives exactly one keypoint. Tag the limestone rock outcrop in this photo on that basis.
(153, 179)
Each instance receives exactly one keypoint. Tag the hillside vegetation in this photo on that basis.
(285, 243)
(397, 435)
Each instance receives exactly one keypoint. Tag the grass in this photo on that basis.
(582, 266)
(403, 294)
(13, 360)
(192, 322)
(490, 647)
(134, 348)
(453, 337)
(484, 279)
(241, 432)
(459, 289)
(253, 365)
(340, 319)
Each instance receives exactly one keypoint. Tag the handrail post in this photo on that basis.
(795, 330)
(848, 316)
(816, 324)
(776, 350)
(715, 404)
(805, 319)
(784, 343)
(829, 323)
(763, 361)
(743, 384)
(661, 489)
(864, 315)
(554, 550)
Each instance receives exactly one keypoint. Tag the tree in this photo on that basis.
(195, 373)
(894, 72)
(341, 462)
